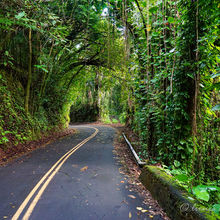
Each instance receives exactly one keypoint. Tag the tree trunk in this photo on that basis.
(29, 78)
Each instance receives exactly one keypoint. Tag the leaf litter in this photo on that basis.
(132, 171)
(84, 169)
(132, 196)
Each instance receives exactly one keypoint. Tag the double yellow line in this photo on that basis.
(45, 180)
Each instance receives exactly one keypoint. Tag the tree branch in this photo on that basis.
(74, 75)
(143, 20)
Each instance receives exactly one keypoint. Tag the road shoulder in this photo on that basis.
(131, 169)
(12, 153)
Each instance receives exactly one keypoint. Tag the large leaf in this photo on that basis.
(201, 193)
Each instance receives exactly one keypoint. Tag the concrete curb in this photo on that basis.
(173, 198)
(137, 159)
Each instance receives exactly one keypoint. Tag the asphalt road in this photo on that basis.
(84, 185)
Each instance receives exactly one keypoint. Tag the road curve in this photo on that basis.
(76, 177)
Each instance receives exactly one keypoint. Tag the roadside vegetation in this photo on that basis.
(152, 65)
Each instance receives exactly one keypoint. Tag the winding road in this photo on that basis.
(74, 178)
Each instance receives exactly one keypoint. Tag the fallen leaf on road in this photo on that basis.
(12, 205)
(139, 208)
(143, 210)
(131, 196)
(122, 181)
(151, 216)
(129, 215)
(124, 201)
(5, 217)
(84, 168)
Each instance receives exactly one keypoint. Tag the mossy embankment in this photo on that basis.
(173, 198)
(17, 128)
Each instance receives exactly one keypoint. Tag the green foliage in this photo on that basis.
(15, 126)
(207, 195)
(201, 193)
(175, 89)
(55, 60)
(153, 65)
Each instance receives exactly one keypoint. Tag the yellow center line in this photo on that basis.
(50, 174)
